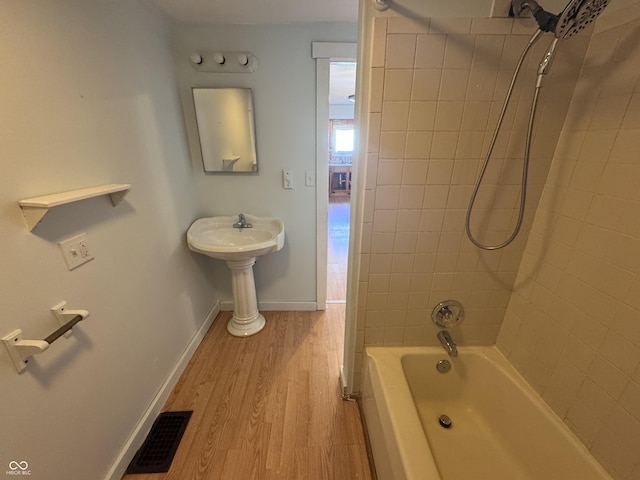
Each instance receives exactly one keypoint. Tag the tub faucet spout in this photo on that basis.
(447, 342)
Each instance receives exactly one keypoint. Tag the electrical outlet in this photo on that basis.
(287, 179)
(75, 251)
(309, 178)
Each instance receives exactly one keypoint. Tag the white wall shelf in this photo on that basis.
(34, 209)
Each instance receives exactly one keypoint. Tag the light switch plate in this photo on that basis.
(309, 178)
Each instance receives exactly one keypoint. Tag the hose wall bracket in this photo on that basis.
(381, 5)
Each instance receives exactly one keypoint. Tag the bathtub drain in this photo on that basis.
(445, 421)
(443, 366)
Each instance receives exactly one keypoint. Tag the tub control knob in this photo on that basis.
(448, 314)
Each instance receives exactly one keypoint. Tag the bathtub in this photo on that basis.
(500, 428)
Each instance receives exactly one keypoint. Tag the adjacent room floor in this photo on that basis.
(338, 248)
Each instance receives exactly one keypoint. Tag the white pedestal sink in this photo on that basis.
(227, 238)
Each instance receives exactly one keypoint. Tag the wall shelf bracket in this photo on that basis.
(34, 209)
(21, 350)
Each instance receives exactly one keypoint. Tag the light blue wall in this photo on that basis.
(88, 96)
(284, 90)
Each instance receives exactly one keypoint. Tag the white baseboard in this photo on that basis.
(141, 430)
(227, 306)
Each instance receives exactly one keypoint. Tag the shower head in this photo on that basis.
(575, 16)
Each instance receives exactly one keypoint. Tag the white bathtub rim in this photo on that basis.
(415, 463)
(388, 361)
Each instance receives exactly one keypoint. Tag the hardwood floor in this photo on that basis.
(338, 249)
(268, 406)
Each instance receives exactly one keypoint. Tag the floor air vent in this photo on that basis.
(157, 451)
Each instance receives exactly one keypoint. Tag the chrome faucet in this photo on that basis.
(242, 222)
(447, 342)
(447, 314)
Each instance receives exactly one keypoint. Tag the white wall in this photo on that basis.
(89, 96)
(284, 87)
(341, 112)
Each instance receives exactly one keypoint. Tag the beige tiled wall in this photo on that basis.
(572, 326)
(436, 89)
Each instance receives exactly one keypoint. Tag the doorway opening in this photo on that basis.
(325, 54)
(342, 84)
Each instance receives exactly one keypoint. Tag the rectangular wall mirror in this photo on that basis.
(226, 129)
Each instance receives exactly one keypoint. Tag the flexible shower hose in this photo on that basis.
(527, 152)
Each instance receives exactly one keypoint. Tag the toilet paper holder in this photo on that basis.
(21, 350)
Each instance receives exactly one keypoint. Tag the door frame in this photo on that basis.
(324, 53)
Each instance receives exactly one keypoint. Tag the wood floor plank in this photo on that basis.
(337, 248)
(249, 463)
(268, 406)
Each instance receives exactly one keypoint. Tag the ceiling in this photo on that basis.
(236, 12)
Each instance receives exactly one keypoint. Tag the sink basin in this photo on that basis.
(216, 237)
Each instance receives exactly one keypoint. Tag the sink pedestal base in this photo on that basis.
(246, 319)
